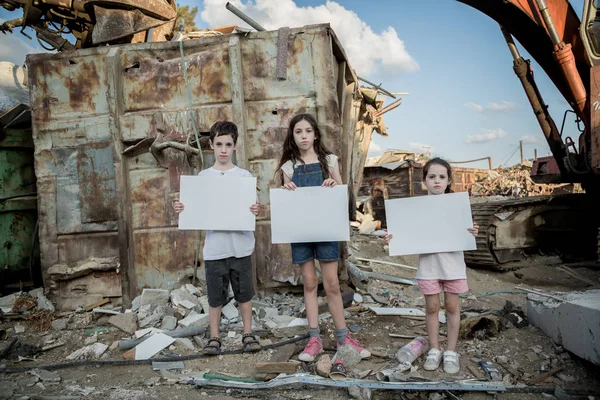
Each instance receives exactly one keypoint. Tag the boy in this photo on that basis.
(227, 254)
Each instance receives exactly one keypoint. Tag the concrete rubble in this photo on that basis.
(573, 323)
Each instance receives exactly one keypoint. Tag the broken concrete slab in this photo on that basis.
(60, 324)
(188, 304)
(203, 300)
(229, 311)
(151, 320)
(290, 331)
(155, 297)
(91, 352)
(185, 342)
(151, 346)
(46, 376)
(7, 302)
(168, 323)
(361, 393)
(324, 366)
(182, 295)
(194, 319)
(573, 323)
(92, 339)
(192, 289)
(136, 303)
(348, 355)
(145, 311)
(19, 328)
(125, 322)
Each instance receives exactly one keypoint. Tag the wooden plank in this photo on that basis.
(284, 353)
(276, 367)
(97, 304)
(542, 377)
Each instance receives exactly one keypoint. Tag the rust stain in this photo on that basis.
(95, 190)
(295, 49)
(159, 77)
(83, 85)
(149, 198)
(257, 62)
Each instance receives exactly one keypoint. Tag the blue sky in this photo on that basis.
(462, 94)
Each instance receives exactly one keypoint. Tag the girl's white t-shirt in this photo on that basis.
(224, 244)
(288, 167)
(442, 266)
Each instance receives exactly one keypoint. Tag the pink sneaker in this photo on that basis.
(312, 349)
(364, 353)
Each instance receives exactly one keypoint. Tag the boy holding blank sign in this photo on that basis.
(227, 253)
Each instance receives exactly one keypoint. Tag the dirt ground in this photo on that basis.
(525, 351)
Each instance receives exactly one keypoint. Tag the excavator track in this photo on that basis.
(513, 232)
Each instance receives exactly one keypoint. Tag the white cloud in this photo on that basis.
(374, 149)
(367, 50)
(503, 106)
(420, 147)
(488, 136)
(14, 47)
(531, 139)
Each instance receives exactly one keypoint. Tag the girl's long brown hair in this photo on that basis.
(291, 150)
(444, 164)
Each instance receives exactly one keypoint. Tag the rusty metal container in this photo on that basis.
(89, 106)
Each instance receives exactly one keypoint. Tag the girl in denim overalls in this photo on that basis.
(306, 162)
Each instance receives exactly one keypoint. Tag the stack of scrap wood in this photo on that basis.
(515, 181)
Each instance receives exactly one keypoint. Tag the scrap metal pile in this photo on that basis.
(516, 181)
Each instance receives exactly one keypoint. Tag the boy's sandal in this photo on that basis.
(250, 343)
(211, 349)
(338, 370)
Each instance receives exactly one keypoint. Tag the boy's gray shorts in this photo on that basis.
(219, 273)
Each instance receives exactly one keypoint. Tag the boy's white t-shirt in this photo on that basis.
(224, 244)
(442, 266)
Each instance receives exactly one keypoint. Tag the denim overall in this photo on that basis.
(311, 175)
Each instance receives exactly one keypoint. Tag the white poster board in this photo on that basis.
(430, 224)
(217, 203)
(310, 214)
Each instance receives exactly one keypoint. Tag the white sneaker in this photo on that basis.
(451, 364)
(433, 360)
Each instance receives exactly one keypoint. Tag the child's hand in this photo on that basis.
(474, 230)
(388, 238)
(329, 183)
(255, 208)
(289, 186)
(178, 206)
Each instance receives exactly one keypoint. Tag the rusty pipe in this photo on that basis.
(244, 17)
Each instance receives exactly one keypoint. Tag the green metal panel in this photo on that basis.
(18, 202)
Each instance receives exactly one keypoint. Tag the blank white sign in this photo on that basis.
(310, 214)
(217, 203)
(430, 224)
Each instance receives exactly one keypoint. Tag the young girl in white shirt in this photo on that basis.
(441, 271)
